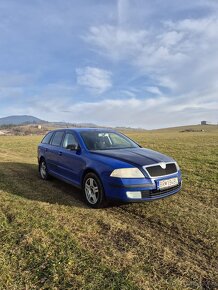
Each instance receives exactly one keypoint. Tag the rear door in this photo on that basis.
(54, 152)
(44, 147)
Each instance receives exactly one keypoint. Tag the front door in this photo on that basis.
(71, 159)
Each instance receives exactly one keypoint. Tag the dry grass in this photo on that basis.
(51, 240)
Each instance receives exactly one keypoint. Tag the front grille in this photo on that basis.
(157, 170)
(158, 192)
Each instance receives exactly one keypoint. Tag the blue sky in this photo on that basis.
(132, 63)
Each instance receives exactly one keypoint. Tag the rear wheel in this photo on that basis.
(43, 170)
(93, 191)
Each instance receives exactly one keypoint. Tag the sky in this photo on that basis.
(137, 63)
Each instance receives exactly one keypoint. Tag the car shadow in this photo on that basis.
(22, 179)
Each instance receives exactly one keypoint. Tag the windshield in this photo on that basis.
(106, 140)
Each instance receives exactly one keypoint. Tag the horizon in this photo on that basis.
(147, 65)
(95, 124)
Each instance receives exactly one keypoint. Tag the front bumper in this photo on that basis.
(125, 189)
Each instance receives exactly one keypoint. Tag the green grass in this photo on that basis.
(51, 240)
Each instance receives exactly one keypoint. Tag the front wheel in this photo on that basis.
(93, 191)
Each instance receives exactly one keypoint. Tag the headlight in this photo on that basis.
(177, 166)
(127, 173)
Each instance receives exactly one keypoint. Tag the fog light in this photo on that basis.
(134, 194)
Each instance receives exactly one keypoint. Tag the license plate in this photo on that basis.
(168, 183)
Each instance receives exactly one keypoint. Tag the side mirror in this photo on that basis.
(73, 147)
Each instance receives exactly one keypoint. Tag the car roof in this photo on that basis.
(84, 129)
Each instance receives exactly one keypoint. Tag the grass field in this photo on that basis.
(51, 240)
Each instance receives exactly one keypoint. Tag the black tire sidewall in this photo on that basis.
(101, 199)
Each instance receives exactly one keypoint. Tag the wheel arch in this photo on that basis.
(104, 198)
(41, 158)
(89, 170)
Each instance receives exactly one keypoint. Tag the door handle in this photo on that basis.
(59, 153)
(46, 149)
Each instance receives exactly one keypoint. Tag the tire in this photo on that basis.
(43, 170)
(93, 191)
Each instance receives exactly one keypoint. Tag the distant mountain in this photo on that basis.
(21, 119)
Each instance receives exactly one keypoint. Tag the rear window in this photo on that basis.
(58, 136)
(47, 138)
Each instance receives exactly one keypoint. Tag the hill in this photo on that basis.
(20, 119)
(189, 128)
(27, 120)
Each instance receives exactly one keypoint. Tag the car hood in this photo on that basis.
(135, 156)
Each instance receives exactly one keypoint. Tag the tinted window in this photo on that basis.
(69, 140)
(47, 138)
(106, 140)
(56, 141)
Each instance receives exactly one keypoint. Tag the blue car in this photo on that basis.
(107, 165)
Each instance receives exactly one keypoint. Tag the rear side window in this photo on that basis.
(58, 136)
(47, 138)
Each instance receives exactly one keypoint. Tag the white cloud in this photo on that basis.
(145, 113)
(148, 113)
(128, 93)
(115, 42)
(154, 90)
(96, 79)
(178, 55)
(171, 38)
(123, 11)
(144, 48)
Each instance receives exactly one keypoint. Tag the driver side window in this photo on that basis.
(70, 141)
